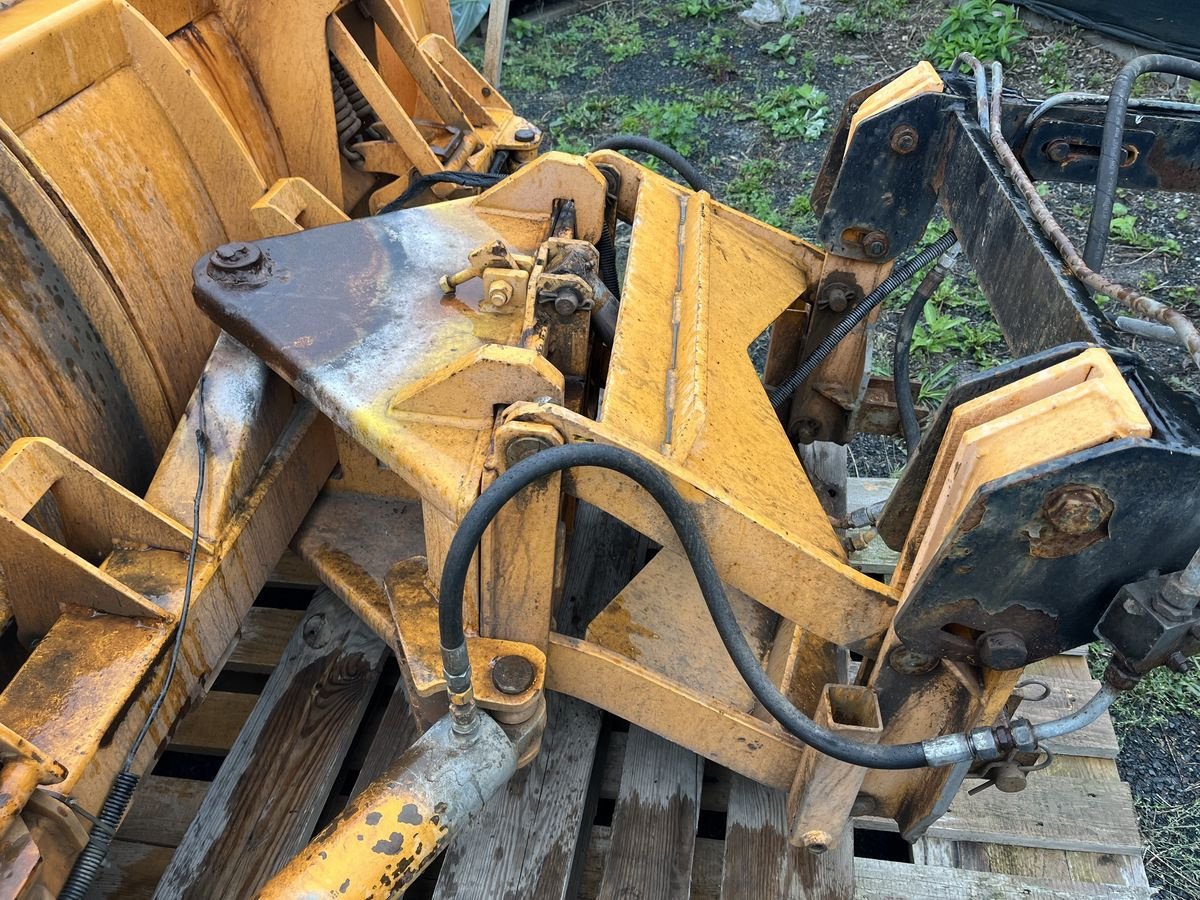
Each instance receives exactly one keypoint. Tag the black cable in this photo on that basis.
(91, 859)
(905, 405)
(462, 179)
(861, 310)
(1109, 165)
(656, 484)
(660, 151)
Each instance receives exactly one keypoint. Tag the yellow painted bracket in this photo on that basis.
(99, 516)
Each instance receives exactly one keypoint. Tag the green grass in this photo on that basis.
(672, 122)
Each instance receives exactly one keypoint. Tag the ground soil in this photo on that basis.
(713, 63)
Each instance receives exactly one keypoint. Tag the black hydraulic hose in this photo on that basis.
(660, 151)
(1110, 145)
(905, 405)
(656, 484)
(861, 310)
(469, 179)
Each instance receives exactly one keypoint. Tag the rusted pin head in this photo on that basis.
(523, 447)
(875, 244)
(904, 139)
(1075, 509)
(512, 674)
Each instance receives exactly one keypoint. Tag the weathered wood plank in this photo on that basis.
(526, 840)
(1065, 866)
(263, 805)
(759, 861)
(214, 725)
(1055, 811)
(162, 810)
(130, 871)
(882, 880)
(264, 636)
(654, 824)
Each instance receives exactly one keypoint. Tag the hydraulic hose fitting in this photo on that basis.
(456, 665)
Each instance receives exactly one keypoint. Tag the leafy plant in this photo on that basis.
(673, 123)
(938, 332)
(986, 28)
(783, 47)
(935, 385)
(850, 24)
(749, 192)
(707, 9)
(1123, 229)
(707, 55)
(794, 111)
(1052, 68)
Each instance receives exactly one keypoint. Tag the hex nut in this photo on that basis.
(904, 139)
(1002, 649)
(875, 244)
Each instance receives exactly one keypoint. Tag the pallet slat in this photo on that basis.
(654, 824)
(263, 805)
(264, 636)
(759, 861)
(162, 810)
(877, 879)
(1054, 811)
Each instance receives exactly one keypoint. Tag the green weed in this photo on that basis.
(749, 192)
(1124, 230)
(706, 9)
(850, 24)
(1052, 68)
(794, 111)
(673, 123)
(783, 47)
(986, 28)
(706, 55)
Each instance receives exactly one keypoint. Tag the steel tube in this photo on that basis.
(397, 826)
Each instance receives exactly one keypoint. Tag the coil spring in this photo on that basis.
(91, 860)
(353, 115)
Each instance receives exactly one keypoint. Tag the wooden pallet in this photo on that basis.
(306, 712)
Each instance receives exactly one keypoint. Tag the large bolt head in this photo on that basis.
(1075, 510)
(235, 257)
(512, 674)
(1001, 649)
(523, 447)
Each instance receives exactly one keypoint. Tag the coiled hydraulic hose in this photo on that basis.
(556, 459)
(660, 151)
(1109, 164)
(861, 310)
